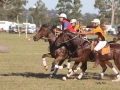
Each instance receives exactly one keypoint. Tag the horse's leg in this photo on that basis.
(84, 68)
(71, 71)
(56, 68)
(78, 59)
(44, 60)
(111, 66)
(117, 63)
(104, 67)
(58, 59)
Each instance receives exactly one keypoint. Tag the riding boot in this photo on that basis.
(96, 55)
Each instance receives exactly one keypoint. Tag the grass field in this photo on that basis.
(21, 68)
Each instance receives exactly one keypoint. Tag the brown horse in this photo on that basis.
(83, 50)
(116, 38)
(60, 54)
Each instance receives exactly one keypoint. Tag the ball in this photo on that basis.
(28, 39)
(64, 78)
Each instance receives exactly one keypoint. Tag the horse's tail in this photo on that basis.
(103, 27)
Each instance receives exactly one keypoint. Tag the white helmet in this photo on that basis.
(97, 21)
(73, 21)
(63, 15)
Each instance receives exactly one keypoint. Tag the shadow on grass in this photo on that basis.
(87, 75)
(30, 74)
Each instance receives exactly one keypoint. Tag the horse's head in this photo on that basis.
(41, 33)
(56, 30)
(62, 38)
(116, 38)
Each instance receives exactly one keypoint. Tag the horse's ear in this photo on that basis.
(45, 25)
(54, 26)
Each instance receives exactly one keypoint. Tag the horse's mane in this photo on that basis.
(55, 27)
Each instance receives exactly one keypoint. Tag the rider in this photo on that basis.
(74, 24)
(101, 38)
(65, 23)
(77, 28)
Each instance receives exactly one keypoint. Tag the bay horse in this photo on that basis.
(83, 50)
(58, 53)
(117, 37)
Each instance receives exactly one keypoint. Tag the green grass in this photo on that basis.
(22, 69)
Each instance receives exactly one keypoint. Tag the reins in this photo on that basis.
(70, 39)
(82, 41)
(45, 38)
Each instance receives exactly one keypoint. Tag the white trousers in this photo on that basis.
(100, 45)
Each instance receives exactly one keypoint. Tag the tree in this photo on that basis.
(76, 12)
(108, 6)
(11, 9)
(70, 7)
(38, 13)
(88, 17)
(5, 3)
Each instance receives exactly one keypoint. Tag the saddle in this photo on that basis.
(104, 50)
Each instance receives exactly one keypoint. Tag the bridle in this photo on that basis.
(45, 38)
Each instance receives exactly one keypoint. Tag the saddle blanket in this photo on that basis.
(105, 50)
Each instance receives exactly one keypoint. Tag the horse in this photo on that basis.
(83, 51)
(59, 53)
(117, 37)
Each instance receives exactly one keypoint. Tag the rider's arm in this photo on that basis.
(65, 25)
(88, 26)
(86, 33)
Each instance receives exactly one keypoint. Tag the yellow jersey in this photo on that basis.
(101, 34)
(76, 27)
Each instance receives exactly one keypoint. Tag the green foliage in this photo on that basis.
(38, 13)
(11, 9)
(54, 21)
(76, 12)
(70, 7)
(105, 10)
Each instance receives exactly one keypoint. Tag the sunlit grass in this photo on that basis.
(22, 69)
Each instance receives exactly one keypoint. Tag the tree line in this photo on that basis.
(39, 14)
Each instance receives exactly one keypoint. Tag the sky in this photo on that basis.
(88, 5)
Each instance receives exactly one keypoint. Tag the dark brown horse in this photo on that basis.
(83, 50)
(60, 54)
(116, 38)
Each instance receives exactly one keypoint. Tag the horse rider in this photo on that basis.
(77, 28)
(75, 25)
(101, 38)
(65, 23)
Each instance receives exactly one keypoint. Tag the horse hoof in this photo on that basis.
(79, 78)
(64, 65)
(75, 78)
(51, 76)
(117, 80)
(100, 78)
(46, 68)
(52, 69)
